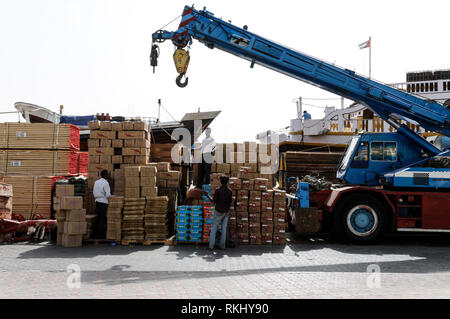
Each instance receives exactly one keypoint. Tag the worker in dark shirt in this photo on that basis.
(222, 200)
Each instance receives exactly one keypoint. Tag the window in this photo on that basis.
(408, 88)
(444, 86)
(426, 87)
(422, 87)
(417, 87)
(383, 151)
(413, 88)
(436, 88)
(361, 159)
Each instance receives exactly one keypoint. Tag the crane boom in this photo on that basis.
(384, 100)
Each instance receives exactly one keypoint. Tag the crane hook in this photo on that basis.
(182, 84)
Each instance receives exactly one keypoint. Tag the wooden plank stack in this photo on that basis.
(33, 195)
(299, 164)
(114, 218)
(156, 218)
(133, 219)
(44, 136)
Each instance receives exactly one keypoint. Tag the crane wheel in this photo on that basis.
(359, 219)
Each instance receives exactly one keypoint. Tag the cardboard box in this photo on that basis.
(101, 151)
(242, 196)
(247, 184)
(147, 181)
(243, 238)
(141, 159)
(116, 126)
(132, 181)
(94, 159)
(117, 143)
(267, 238)
(128, 159)
(161, 183)
(279, 196)
(94, 125)
(76, 215)
(170, 175)
(260, 184)
(172, 183)
(149, 191)
(105, 159)
(116, 159)
(131, 171)
(105, 126)
(266, 227)
(71, 241)
(279, 239)
(140, 126)
(254, 217)
(266, 219)
(266, 206)
(132, 192)
(132, 135)
(75, 228)
(279, 207)
(163, 167)
(116, 202)
(93, 143)
(254, 207)
(71, 202)
(242, 227)
(62, 190)
(134, 151)
(60, 227)
(109, 135)
(105, 143)
(148, 171)
(235, 183)
(255, 239)
(279, 228)
(127, 126)
(267, 195)
(254, 228)
(279, 217)
(242, 206)
(255, 196)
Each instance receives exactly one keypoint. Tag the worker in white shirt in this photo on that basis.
(102, 192)
(208, 149)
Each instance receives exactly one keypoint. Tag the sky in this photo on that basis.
(92, 56)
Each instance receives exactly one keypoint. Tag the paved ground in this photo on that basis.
(408, 267)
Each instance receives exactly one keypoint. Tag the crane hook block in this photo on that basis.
(181, 58)
(182, 84)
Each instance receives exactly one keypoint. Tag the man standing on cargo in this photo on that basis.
(102, 192)
(208, 148)
(306, 115)
(222, 200)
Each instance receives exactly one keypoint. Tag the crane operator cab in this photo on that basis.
(370, 156)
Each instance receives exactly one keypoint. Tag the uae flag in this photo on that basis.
(365, 45)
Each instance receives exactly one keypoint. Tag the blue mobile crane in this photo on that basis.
(388, 182)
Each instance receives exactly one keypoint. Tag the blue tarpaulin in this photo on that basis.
(77, 120)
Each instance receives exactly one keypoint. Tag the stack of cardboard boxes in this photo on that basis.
(114, 218)
(156, 218)
(6, 196)
(133, 219)
(71, 219)
(259, 160)
(113, 146)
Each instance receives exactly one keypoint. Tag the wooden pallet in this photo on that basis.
(145, 242)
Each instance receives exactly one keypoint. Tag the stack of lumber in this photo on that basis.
(299, 164)
(32, 195)
(44, 136)
(39, 162)
(156, 218)
(114, 218)
(133, 219)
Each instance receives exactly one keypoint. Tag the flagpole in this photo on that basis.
(370, 57)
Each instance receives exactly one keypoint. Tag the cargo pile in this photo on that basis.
(71, 219)
(113, 146)
(133, 219)
(189, 224)
(155, 219)
(6, 198)
(39, 149)
(114, 218)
